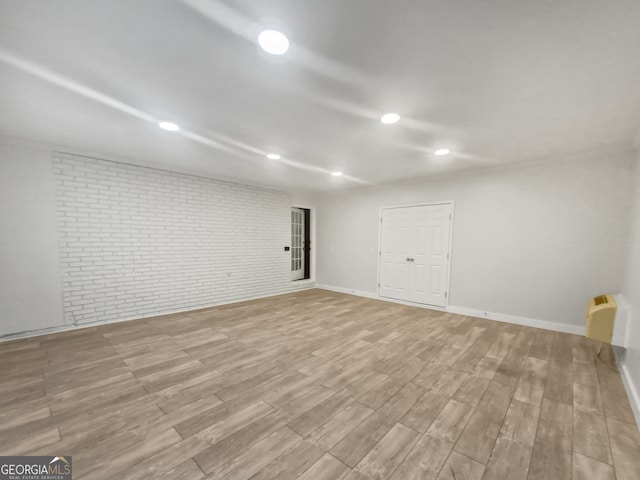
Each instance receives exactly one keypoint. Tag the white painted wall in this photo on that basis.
(532, 240)
(630, 359)
(30, 288)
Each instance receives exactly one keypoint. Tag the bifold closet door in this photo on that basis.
(414, 256)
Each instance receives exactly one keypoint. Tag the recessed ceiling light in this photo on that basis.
(336, 174)
(273, 156)
(172, 127)
(390, 118)
(442, 151)
(273, 42)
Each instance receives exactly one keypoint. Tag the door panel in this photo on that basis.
(437, 237)
(421, 240)
(395, 247)
(400, 282)
(402, 240)
(435, 280)
(419, 280)
(414, 253)
(387, 275)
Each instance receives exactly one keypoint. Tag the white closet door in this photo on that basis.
(395, 249)
(414, 260)
(429, 266)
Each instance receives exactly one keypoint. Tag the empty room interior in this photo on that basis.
(287, 239)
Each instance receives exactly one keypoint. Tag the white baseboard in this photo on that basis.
(621, 325)
(517, 320)
(298, 285)
(633, 393)
(470, 312)
(348, 291)
(66, 328)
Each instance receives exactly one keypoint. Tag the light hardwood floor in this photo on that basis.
(317, 385)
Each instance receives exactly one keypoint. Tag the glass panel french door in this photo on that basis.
(297, 243)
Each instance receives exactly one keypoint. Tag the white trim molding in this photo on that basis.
(469, 312)
(517, 320)
(357, 293)
(633, 393)
(67, 328)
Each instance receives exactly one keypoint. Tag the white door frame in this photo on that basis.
(450, 246)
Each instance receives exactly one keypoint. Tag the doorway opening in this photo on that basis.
(300, 243)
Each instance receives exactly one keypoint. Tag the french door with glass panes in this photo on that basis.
(297, 243)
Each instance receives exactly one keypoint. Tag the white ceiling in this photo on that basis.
(496, 82)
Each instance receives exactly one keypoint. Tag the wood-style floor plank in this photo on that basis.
(362, 439)
(386, 455)
(480, 433)
(317, 385)
(459, 467)
(425, 459)
(625, 448)
(586, 468)
(590, 436)
(551, 457)
(327, 468)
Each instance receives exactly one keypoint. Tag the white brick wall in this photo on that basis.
(136, 241)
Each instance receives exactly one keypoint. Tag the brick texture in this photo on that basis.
(136, 241)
